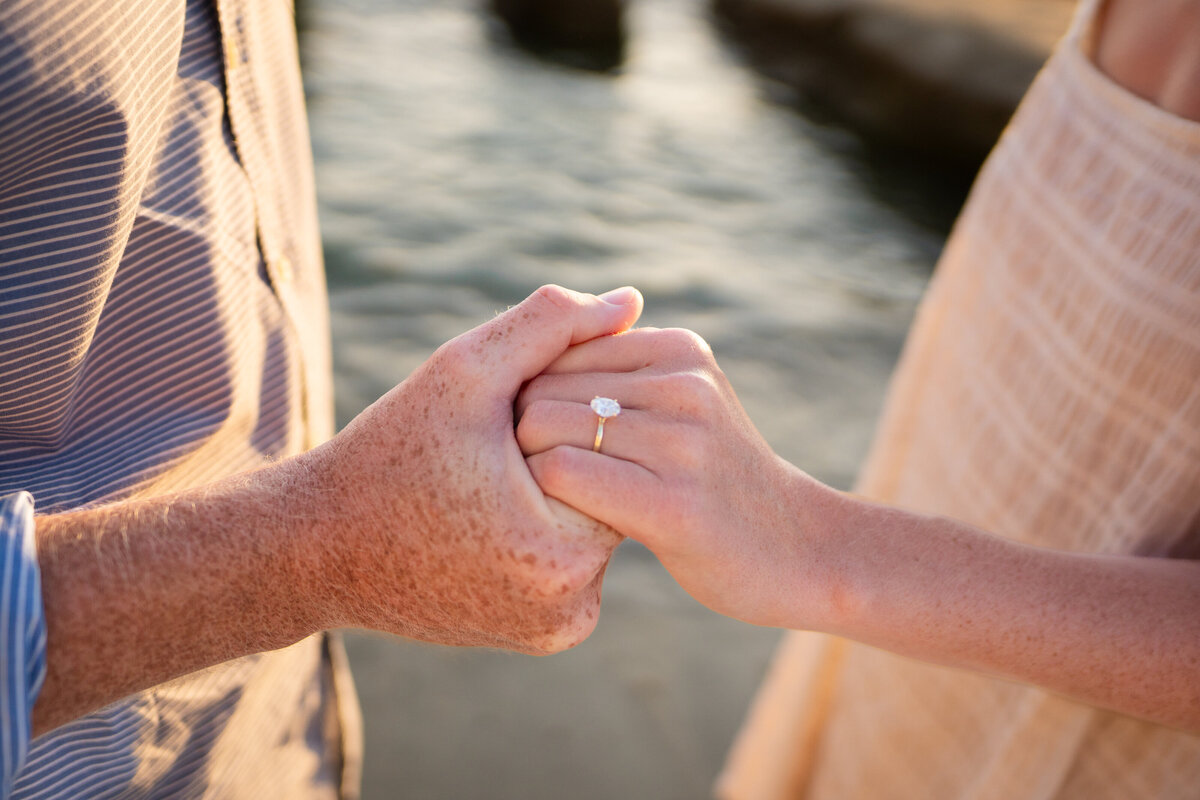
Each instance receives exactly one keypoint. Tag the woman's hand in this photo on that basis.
(683, 470)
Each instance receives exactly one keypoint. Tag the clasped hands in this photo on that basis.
(423, 517)
(467, 506)
(479, 514)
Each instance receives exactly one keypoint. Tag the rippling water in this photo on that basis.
(455, 175)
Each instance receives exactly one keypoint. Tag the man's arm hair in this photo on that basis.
(140, 592)
(420, 518)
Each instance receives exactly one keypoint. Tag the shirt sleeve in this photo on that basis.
(22, 634)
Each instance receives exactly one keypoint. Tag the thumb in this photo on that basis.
(529, 336)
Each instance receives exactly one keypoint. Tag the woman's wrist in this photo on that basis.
(883, 575)
(818, 590)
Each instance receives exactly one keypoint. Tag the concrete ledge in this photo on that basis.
(586, 34)
(941, 77)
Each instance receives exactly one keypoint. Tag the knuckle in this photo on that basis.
(688, 344)
(553, 465)
(533, 418)
(578, 633)
(533, 391)
(455, 358)
(695, 383)
(691, 394)
(574, 629)
(671, 342)
(556, 296)
(555, 578)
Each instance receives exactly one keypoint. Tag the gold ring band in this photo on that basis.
(605, 408)
(599, 434)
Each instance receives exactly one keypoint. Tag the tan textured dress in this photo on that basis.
(1049, 392)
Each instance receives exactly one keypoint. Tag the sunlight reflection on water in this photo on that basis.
(456, 175)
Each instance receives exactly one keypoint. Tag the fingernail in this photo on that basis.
(620, 297)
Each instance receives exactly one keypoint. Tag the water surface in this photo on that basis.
(455, 175)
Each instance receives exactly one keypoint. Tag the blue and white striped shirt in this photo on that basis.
(163, 323)
(22, 631)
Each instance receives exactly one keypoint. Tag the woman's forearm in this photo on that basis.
(1119, 632)
(684, 472)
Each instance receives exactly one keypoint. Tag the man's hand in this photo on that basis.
(441, 532)
(421, 518)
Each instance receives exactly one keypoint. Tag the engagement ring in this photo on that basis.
(605, 408)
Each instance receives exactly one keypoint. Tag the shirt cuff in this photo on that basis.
(22, 634)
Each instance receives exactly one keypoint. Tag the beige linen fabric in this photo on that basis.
(1049, 392)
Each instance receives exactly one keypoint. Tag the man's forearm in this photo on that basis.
(419, 518)
(140, 592)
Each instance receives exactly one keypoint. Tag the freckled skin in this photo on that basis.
(421, 518)
(453, 505)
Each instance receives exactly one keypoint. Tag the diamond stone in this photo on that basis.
(605, 407)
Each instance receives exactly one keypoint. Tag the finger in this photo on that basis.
(665, 392)
(633, 350)
(626, 389)
(599, 539)
(619, 493)
(527, 337)
(549, 423)
(584, 613)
